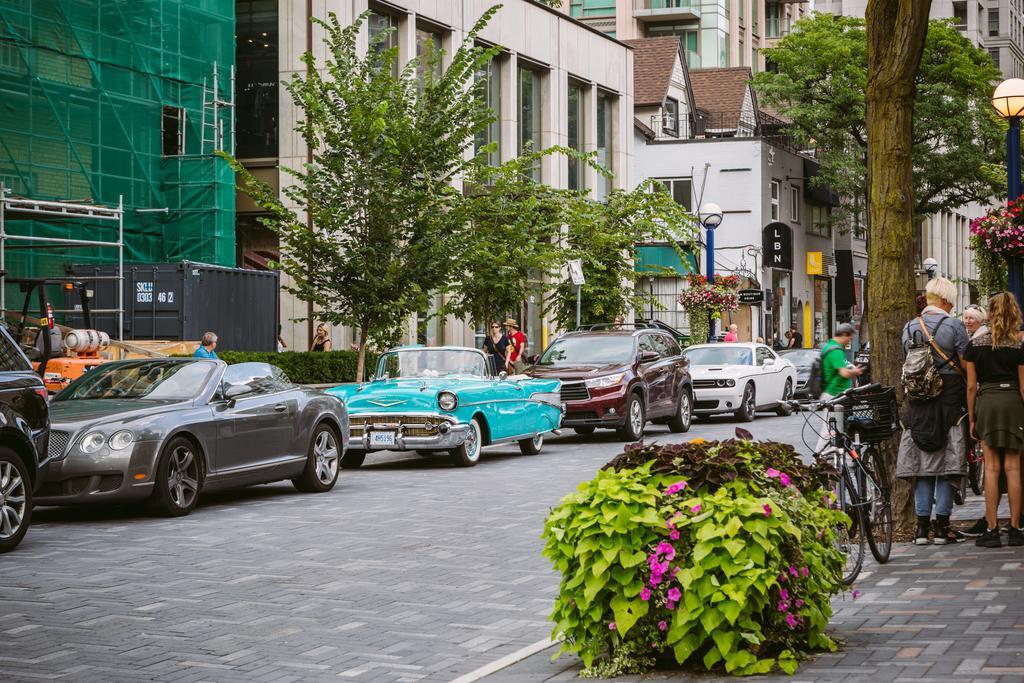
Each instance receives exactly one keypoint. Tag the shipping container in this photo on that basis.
(181, 301)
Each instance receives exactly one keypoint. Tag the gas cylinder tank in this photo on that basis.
(86, 341)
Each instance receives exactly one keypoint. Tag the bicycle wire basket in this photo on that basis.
(873, 416)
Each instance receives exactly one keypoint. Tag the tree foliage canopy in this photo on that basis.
(820, 85)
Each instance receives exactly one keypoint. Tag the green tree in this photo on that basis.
(821, 86)
(372, 225)
(604, 237)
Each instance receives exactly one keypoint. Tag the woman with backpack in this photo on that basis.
(934, 439)
(995, 375)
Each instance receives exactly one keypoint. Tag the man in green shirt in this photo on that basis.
(836, 373)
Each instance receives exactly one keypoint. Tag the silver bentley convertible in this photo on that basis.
(166, 430)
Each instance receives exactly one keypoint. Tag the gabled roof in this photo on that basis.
(653, 62)
(721, 93)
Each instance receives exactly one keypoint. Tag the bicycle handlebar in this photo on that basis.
(835, 400)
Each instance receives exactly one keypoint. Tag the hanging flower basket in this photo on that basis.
(703, 299)
(1001, 230)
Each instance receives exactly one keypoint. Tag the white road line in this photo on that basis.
(506, 661)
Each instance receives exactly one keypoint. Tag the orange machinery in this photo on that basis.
(59, 354)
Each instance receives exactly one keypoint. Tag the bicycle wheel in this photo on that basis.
(877, 506)
(849, 537)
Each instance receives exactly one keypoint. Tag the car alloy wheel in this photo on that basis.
(14, 504)
(183, 477)
(681, 421)
(748, 407)
(787, 393)
(322, 463)
(468, 453)
(633, 430)
(178, 479)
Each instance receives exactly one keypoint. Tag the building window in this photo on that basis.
(994, 54)
(172, 130)
(681, 190)
(592, 8)
(575, 134)
(775, 200)
(794, 203)
(428, 48)
(773, 27)
(689, 38)
(670, 124)
(821, 221)
(529, 114)
(257, 80)
(487, 82)
(742, 56)
(383, 35)
(605, 130)
(993, 22)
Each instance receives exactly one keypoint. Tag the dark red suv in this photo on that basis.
(619, 379)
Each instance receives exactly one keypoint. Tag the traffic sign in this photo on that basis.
(576, 272)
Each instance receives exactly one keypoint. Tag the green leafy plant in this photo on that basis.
(304, 367)
(708, 554)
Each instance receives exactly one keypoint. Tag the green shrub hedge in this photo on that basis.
(719, 554)
(307, 367)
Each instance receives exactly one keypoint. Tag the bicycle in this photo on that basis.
(861, 483)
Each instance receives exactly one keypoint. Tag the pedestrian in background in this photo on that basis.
(995, 376)
(619, 321)
(207, 346)
(796, 340)
(515, 360)
(974, 320)
(322, 340)
(496, 346)
(733, 334)
(934, 439)
(836, 374)
(281, 346)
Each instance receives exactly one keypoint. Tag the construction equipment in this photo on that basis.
(60, 354)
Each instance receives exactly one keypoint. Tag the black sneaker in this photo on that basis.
(990, 539)
(976, 529)
(1016, 537)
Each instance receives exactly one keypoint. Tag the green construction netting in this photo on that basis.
(105, 98)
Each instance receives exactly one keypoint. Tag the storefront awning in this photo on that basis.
(654, 259)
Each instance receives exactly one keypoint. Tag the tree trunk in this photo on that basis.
(896, 31)
(361, 363)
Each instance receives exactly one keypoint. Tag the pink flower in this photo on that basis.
(784, 594)
(611, 626)
(666, 549)
(784, 479)
(674, 594)
(799, 603)
(805, 572)
(645, 593)
(662, 626)
(772, 472)
(655, 578)
(783, 578)
(782, 606)
(793, 571)
(674, 535)
(696, 508)
(767, 510)
(856, 594)
(790, 620)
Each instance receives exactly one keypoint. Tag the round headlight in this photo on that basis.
(721, 383)
(92, 442)
(730, 382)
(447, 400)
(121, 440)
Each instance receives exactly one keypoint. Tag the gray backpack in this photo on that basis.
(920, 378)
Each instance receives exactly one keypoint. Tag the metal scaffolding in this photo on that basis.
(28, 208)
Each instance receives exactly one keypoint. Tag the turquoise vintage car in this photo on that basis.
(446, 399)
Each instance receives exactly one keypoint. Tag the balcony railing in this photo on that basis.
(666, 9)
(725, 125)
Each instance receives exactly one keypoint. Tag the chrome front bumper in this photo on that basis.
(444, 435)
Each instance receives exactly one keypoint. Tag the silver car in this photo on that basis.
(165, 430)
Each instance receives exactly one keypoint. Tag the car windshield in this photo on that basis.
(800, 358)
(719, 355)
(428, 363)
(151, 380)
(595, 350)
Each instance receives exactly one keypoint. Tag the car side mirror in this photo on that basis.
(371, 378)
(649, 356)
(768, 361)
(502, 376)
(233, 391)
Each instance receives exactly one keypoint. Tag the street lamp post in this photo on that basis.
(710, 216)
(1008, 100)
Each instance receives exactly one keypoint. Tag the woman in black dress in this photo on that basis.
(495, 345)
(995, 377)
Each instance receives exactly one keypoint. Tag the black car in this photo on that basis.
(24, 438)
(802, 359)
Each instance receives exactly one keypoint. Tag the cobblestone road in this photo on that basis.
(409, 570)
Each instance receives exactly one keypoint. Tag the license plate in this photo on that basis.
(382, 438)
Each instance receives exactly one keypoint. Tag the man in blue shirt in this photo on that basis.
(207, 346)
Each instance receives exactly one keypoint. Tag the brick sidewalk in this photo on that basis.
(933, 613)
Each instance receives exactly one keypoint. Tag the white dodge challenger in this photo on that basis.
(739, 378)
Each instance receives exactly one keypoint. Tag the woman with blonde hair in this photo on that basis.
(995, 377)
(974, 320)
(322, 340)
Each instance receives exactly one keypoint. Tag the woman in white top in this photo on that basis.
(974, 320)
